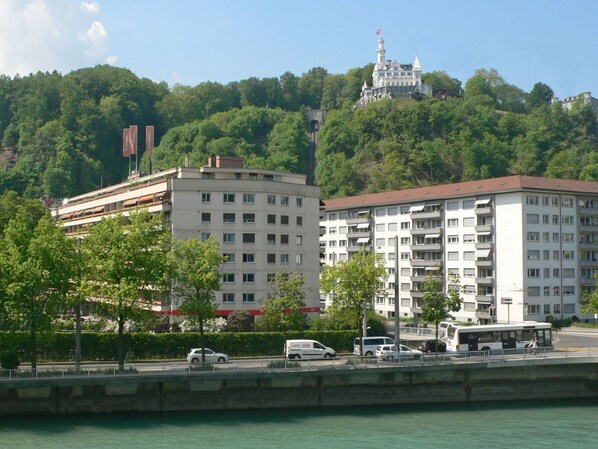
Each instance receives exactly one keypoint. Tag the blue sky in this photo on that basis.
(193, 41)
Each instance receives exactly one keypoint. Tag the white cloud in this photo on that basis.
(51, 35)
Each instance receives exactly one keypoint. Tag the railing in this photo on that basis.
(283, 365)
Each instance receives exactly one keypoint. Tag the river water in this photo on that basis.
(528, 425)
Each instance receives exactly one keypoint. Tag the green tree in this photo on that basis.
(37, 264)
(437, 305)
(282, 308)
(239, 321)
(126, 267)
(355, 283)
(541, 94)
(195, 276)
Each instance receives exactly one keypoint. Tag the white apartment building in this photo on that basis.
(265, 221)
(523, 247)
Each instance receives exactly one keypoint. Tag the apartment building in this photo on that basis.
(523, 247)
(266, 221)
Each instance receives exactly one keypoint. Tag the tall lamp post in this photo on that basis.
(397, 300)
(78, 311)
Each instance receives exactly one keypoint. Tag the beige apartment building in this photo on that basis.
(265, 221)
(523, 247)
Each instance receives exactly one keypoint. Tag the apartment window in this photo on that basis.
(392, 211)
(453, 222)
(568, 273)
(545, 219)
(556, 308)
(271, 258)
(453, 255)
(568, 237)
(229, 198)
(229, 257)
(248, 238)
(568, 255)
(284, 239)
(299, 202)
(555, 201)
(284, 259)
(546, 236)
(405, 240)
(405, 225)
(284, 220)
(332, 243)
(228, 237)
(533, 272)
(205, 197)
(206, 217)
(271, 239)
(546, 254)
(332, 216)
(391, 241)
(533, 254)
(300, 223)
(533, 236)
(249, 218)
(228, 218)
(248, 278)
(248, 298)
(380, 227)
(404, 256)
(533, 219)
(555, 219)
(228, 298)
(556, 272)
(342, 243)
(468, 204)
(546, 273)
(248, 258)
(556, 255)
(272, 199)
(468, 255)
(469, 221)
(332, 230)
(468, 238)
(468, 272)
(532, 200)
(271, 219)
(567, 202)
(270, 277)
(299, 259)
(569, 308)
(284, 200)
(546, 291)
(249, 198)
(452, 272)
(228, 278)
(556, 290)
(204, 236)
(453, 239)
(567, 219)
(380, 212)
(452, 205)
(392, 226)
(533, 309)
(545, 201)
(380, 242)
(391, 256)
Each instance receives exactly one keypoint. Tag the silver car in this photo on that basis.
(194, 356)
(387, 352)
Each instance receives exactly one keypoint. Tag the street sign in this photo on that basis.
(506, 300)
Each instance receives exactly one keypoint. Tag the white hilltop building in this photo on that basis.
(391, 79)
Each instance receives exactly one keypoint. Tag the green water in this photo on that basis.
(563, 425)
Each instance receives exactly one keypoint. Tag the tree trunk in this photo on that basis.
(121, 345)
(360, 327)
(33, 345)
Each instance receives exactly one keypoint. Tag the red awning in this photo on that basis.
(146, 199)
(130, 202)
(98, 209)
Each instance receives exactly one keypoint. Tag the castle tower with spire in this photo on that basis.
(391, 79)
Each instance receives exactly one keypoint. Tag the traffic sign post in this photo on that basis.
(508, 302)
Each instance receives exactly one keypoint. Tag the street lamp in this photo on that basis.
(78, 310)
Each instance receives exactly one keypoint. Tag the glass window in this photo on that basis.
(228, 297)
(300, 223)
(284, 220)
(380, 227)
(228, 278)
(468, 204)
(533, 218)
(248, 258)
(469, 221)
(452, 205)
(228, 218)
(284, 259)
(229, 198)
(284, 200)
(249, 198)
(248, 218)
(205, 197)
(229, 257)
(271, 239)
(248, 297)
(272, 199)
(299, 259)
(206, 217)
(228, 237)
(299, 202)
(271, 258)
(284, 239)
(271, 219)
(453, 222)
(299, 240)
(248, 238)
(248, 278)
(204, 236)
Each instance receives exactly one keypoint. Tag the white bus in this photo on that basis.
(497, 337)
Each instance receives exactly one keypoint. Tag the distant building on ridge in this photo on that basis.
(391, 79)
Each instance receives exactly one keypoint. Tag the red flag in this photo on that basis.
(379, 31)
(133, 139)
(149, 140)
(126, 152)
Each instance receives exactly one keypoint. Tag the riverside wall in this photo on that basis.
(342, 386)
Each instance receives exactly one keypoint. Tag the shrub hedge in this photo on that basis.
(60, 346)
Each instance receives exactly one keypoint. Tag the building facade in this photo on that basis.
(523, 247)
(586, 98)
(391, 79)
(265, 221)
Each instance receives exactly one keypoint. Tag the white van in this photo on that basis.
(370, 344)
(307, 349)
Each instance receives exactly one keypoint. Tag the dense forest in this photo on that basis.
(65, 131)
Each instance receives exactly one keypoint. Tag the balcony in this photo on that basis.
(426, 215)
(484, 263)
(588, 263)
(484, 245)
(358, 234)
(427, 247)
(484, 228)
(358, 220)
(484, 299)
(483, 314)
(426, 263)
(488, 280)
(424, 231)
(417, 293)
(484, 210)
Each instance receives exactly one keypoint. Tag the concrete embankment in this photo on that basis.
(491, 380)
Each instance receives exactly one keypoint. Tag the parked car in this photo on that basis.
(370, 344)
(387, 352)
(194, 356)
(430, 346)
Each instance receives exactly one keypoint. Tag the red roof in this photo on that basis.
(464, 189)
